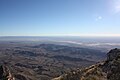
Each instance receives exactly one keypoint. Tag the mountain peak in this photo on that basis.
(113, 54)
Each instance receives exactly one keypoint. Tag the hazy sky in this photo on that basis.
(59, 17)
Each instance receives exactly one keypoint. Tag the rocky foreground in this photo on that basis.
(106, 70)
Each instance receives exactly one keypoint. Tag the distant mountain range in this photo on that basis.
(101, 43)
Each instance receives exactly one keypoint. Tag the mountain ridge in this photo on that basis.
(106, 70)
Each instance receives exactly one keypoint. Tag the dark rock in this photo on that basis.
(20, 77)
(113, 54)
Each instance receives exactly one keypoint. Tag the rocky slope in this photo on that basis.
(107, 70)
(5, 73)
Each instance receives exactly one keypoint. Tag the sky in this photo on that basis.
(59, 17)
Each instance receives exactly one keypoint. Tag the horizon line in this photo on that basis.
(66, 35)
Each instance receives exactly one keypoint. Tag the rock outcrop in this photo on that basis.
(112, 65)
(5, 73)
